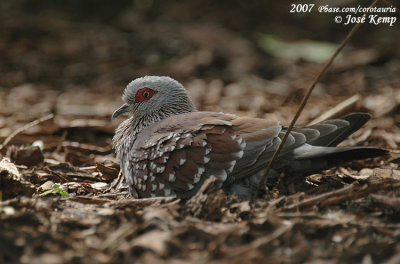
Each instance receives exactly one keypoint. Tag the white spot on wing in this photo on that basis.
(171, 177)
(239, 154)
(182, 161)
(160, 169)
(206, 159)
(222, 175)
(161, 185)
(145, 177)
(190, 186)
(231, 166)
(239, 140)
(153, 187)
(197, 176)
(167, 191)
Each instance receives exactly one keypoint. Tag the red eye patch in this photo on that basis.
(144, 95)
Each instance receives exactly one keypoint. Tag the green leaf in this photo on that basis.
(56, 188)
(59, 190)
(314, 51)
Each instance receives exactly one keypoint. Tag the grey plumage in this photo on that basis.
(168, 148)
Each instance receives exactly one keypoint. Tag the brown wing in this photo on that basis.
(261, 139)
(175, 155)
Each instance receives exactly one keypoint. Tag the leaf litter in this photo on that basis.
(345, 214)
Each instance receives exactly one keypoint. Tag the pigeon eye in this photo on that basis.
(144, 95)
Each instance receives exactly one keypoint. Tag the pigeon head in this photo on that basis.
(155, 96)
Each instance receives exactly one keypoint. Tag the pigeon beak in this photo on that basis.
(121, 110)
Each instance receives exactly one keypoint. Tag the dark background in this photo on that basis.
(98, 47)
(87, 42)
(252, 58)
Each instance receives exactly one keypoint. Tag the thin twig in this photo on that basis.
(309, 202)
(262, 241)
(25, 127)
(350, 192)
(304, 101)
(339, 110)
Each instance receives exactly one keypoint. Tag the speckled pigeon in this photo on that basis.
(168, 148)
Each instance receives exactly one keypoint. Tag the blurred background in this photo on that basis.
(256, 58)
(72, 59)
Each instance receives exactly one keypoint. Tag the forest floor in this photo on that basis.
(61, 80)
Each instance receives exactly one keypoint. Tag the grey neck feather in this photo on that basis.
(125, 134)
